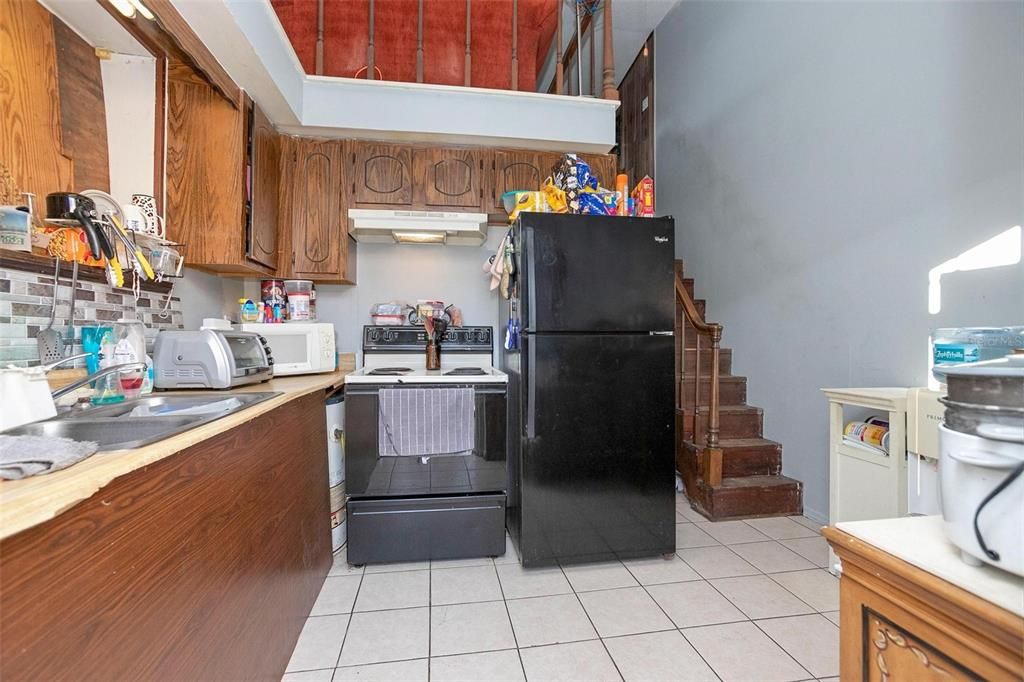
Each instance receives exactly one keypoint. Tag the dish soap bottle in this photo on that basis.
(130, 346)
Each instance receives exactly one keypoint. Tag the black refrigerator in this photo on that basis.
(590, 396)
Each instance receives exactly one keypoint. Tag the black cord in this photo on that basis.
(1014, 475)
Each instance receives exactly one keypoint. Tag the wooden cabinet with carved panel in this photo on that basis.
(314, 208)
(381, 174)
(223, 210)
(444, 177)
(899, 620)
(514, 169)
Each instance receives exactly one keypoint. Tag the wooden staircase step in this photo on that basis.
(753, 496)
(734, 421)
(732, 390)
(724, 360)
(740, 456)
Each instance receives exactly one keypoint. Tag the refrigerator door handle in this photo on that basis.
(531, 392)
(661, 333)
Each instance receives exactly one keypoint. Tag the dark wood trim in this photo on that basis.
(201, 566)
(43, 265)
(160, 135)
(559, 66)
(171, 36)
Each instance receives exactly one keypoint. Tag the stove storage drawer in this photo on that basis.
(418, 529)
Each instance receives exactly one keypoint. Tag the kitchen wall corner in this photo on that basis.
(204, 294)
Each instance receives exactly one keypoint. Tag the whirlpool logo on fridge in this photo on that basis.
(661, 240)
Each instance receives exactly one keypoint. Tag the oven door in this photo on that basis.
(369, 475)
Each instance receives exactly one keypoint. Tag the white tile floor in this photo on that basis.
(741, 600)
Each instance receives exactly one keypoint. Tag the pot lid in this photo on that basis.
(1009, 366)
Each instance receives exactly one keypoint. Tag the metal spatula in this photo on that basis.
(49, 341)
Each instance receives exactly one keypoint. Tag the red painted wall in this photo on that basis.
(444, 38)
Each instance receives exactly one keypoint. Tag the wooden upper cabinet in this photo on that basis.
(315, 187)
(205, 172)
(266, 177)
(606, 168)
(223, 177)
(450, 177)
(381, 174)
(515, 170)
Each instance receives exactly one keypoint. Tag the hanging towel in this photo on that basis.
(425, 422)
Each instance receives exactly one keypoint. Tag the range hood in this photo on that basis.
(418, 227)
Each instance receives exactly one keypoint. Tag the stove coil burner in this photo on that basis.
(389, 371)
(465, 371)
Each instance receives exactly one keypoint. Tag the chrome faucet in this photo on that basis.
(126, 367)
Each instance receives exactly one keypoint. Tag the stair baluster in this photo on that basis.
(712, 464)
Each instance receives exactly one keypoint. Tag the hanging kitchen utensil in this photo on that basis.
(49, 342)
(69, 340)
(69, 208)
(133, 249)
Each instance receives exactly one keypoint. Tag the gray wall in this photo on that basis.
(820, 159)
(407, 272)
(205, 295)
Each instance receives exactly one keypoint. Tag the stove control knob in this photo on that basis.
(389, 335)
(374, 334)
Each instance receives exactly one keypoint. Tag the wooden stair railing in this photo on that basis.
(712, 460)
(607, 87)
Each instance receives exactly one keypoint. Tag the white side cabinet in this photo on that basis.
(866, 485)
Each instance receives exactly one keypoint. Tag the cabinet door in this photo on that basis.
(514, 170)
(381, 174)
(606, 168)
(319, 225)
(266, 174)
(449, 177)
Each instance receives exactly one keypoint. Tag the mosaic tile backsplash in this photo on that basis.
(25, 300)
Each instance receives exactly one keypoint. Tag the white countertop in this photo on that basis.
(921, 541)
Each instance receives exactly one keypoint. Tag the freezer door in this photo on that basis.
(598, 468)
(587, 273)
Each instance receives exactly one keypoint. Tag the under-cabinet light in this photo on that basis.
(125, 7)
(419, 237)
(143, 10)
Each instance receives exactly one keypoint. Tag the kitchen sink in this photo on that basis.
(115, 427)
(171, 404)
(110, 434)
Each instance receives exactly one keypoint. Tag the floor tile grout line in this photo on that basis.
(508, 614)
(779, 644)
(670, 619)
(798, 596)
(348, 624)
(740, 609)
(591, 620)
(430, 616)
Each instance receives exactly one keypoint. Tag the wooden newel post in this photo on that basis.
(515, 44)
(320, 37)
(716, 338)
(469, 61)
(369, 48)
(419, 43)
(608, 87)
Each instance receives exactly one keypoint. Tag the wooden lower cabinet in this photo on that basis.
(201, 566)
(898, 622)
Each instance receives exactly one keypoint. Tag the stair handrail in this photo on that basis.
(712, 330)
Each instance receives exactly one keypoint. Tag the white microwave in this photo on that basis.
(298, 347)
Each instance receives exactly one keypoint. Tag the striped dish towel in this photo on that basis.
(424, 422)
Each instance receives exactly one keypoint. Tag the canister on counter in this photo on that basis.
(272, 291)
(301, 295)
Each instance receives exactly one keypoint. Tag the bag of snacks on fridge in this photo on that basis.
(557, 201)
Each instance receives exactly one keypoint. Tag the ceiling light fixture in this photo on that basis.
(419, 237)
(126, 8)
(143, 10)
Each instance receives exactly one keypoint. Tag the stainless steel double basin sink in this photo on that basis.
(141, 421)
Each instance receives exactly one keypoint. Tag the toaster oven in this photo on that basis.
(210, 358)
